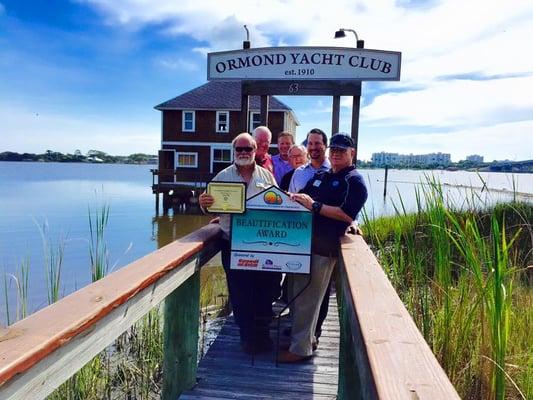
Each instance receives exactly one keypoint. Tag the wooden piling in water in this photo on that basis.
(386, 177)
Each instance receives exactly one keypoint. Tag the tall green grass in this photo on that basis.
(462, 274)
(98, 251)
(54, 253)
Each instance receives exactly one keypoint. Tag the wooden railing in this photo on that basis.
(194, 178)
(40, 352)
(382, 354)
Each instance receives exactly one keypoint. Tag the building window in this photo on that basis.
(187, 124)
(222, 122)
(222, 158)
(186, 160)
(255, 120)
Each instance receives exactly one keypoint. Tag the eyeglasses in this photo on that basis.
(244, 149)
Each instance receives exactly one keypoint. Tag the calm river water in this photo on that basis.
(56, 198)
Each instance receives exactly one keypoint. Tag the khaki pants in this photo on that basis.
(305, 308)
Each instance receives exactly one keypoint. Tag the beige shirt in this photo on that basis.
(261, 179)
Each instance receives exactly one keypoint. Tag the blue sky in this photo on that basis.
(86, 74)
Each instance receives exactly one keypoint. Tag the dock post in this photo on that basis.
(180, 342)
(157, 203)
(386, 177)
(166, 202)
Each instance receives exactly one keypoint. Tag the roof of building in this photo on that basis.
(218, 95)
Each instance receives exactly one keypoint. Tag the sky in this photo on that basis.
(86, 74)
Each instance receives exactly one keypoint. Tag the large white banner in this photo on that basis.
(304, 63)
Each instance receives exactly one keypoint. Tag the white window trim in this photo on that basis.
(183, 121)
(252, 113)
(224, 146)
(217, 122)
(186, 153)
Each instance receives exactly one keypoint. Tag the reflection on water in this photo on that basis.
(168, 228)
(460, 189)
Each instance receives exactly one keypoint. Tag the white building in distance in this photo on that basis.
(406, 160)
(475, 158)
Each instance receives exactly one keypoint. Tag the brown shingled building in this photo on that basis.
(198, 126)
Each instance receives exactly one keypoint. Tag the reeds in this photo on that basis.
(458, 270)
(98, 252)
(53, 261)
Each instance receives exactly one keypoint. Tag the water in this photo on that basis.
(58, 195)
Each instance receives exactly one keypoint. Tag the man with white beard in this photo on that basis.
(250, 292)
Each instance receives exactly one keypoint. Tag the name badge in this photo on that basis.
(317, 183)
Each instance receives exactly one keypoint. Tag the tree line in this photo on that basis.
(92, 156)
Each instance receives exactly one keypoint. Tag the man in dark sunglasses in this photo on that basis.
(250, 292)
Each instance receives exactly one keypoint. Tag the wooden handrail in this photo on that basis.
(383, 354)
(40, 352)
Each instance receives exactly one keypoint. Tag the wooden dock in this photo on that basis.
(370, 349)
(226, 372)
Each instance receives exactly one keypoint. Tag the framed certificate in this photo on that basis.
(229, 197)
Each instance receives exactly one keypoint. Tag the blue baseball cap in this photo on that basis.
(341, 140)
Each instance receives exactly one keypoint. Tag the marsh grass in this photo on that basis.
(98, 253)
(54, 253)
(21, 279)
(5, 284)
(463, 275)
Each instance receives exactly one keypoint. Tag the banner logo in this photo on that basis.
(272, 197)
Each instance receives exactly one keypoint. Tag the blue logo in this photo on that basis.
(335, 183)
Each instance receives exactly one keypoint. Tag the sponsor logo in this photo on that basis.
(272, 197)
(269, 264)
(294, 265)
(247, 263)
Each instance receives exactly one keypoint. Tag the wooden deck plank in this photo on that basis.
(226, 372)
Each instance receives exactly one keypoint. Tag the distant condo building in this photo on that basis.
(475, 158)
(406, 160)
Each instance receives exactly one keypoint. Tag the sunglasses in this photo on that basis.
(244, 149)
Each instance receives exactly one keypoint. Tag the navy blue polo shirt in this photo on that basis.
(345, 189)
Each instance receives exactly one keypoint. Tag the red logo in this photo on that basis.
(247, 263)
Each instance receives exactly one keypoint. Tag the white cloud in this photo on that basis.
(175, 63)
(24, 130)
(449, 103)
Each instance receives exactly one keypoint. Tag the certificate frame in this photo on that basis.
(230, 197)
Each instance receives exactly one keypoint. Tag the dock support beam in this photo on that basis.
(180, 351)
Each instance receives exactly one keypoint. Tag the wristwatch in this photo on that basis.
(316, 207)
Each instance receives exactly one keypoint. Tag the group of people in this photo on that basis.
(333, 190)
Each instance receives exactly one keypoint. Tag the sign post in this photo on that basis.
(274, 234)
